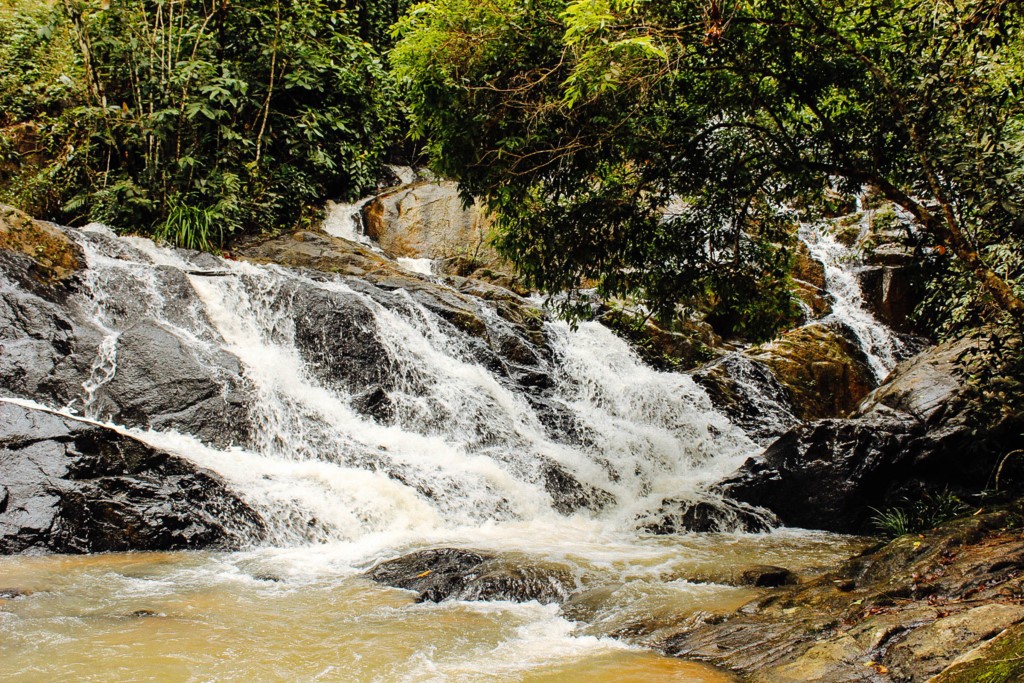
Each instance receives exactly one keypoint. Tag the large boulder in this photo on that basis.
(102, 343)
(441, 574)
(70, 486)
(429, 220)
(912, 435)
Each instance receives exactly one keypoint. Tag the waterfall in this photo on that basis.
(881, 347)
(346, 220)
(457, 444)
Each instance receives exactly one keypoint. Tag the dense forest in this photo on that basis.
(661, 151)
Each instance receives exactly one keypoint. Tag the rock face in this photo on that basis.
(73, 487)
(133, 363)
(428, 220)
(455, 574)
(811, 372)
(909, 436)
(942, 604)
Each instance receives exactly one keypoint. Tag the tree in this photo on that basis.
(656, 147)
(199, 118)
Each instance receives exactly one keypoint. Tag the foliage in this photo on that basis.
(39, 82)
(196, 119)
(650, 147)
(911, 517)
(992, 372)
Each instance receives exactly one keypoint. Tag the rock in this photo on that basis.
(318, 251)
(455, 574)
(54, 257)
(829, 474)
(138, 366)
(917, 606)
(892, 293)
(163, 381)
(996, 661)
(76, 487)
(811, 372)
(12, 593)
(823, 368)
(925, 651)
(677, 516)
(911, 435)
(428, 220)
(512, 343)
(750, 394)
(766, 576)
(568, 494)
(922, 385)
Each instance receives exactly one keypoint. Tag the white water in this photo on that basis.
(876, 339)
(466, 446)
(346, 220)
(460, 464)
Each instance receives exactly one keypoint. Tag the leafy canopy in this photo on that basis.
(656, 148)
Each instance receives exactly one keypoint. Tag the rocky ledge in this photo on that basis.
(69, 486)
(946, 606)
(917, 433)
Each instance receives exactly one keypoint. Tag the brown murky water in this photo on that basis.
(304, 614)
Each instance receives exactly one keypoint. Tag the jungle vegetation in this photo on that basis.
(659, 151)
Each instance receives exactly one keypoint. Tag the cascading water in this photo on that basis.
(881, 347)
(464, 446)
(373, 426)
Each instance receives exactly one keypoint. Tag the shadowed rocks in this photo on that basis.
(75, 487)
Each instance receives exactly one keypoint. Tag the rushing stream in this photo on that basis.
(464, 458)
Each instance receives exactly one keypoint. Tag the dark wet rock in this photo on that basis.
(829, 474)
(912, 435)
(678, 516)
(917, 607)
(441, 574)
(150, 376)
(750, 394)
(75, 487)
(336, 334)
(12, 593)
(568, 494)
(143, 613)
(766, 576)
(511, 343)
(163, 381)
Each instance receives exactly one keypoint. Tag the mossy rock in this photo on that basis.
(54, 255)
(1001, 661)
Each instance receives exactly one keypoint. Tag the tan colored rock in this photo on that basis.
(823, 369)
(428, 220)
(53, 254)
(931, 648)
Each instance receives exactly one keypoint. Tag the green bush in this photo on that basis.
(194, 120)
